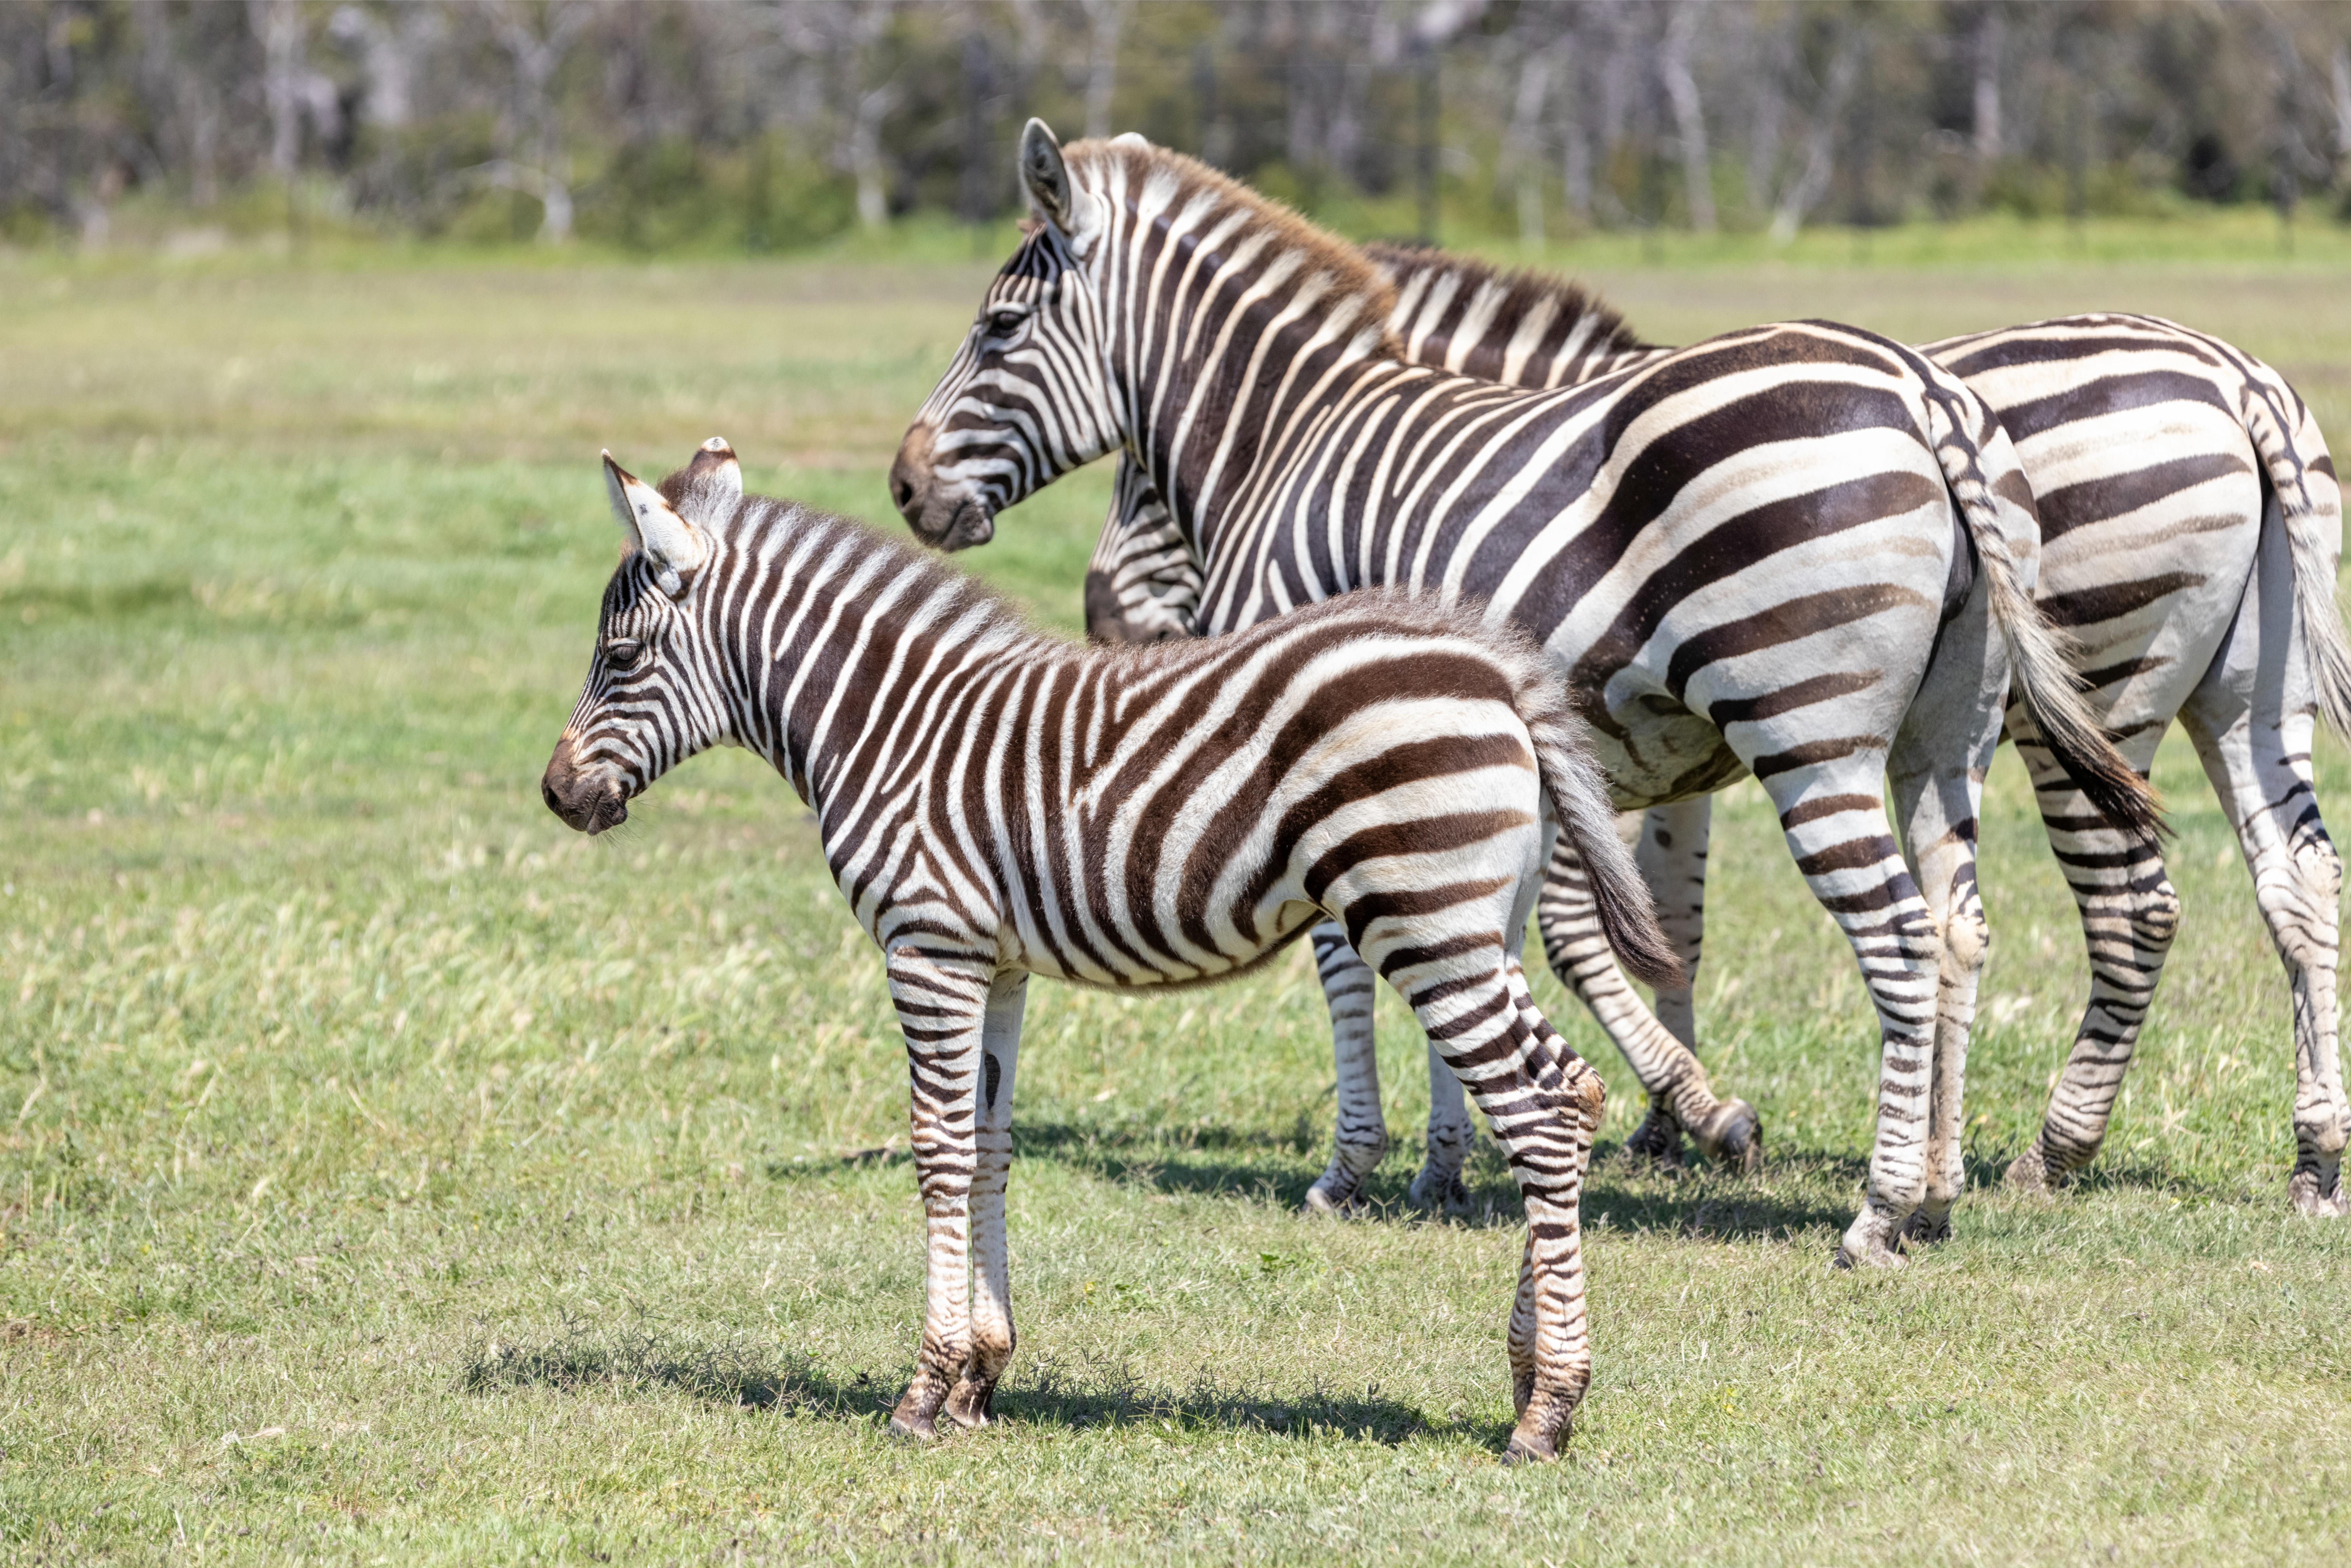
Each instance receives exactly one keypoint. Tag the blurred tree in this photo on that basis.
(767, 123)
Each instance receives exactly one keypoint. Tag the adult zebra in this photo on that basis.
(996, 804)
(1800, 550)
(2192, 524)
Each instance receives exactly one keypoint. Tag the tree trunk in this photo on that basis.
(278, 25)
(1989, 36)
(2343, 102)
(1524, 154)
(865, 163)
(1689, 120)
(1103, 20)
(1805, 193)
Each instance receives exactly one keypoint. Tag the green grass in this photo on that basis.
(387, 1174)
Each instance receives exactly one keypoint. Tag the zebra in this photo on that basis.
(2192, 525)
(1801, 550)
(995, 803)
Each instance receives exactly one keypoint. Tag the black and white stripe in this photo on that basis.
(1802, 550)
(995, 803)
(2192, 526)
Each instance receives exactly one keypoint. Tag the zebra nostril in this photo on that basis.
(547, 793)
(902, 490)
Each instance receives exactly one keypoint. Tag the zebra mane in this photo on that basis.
(1350, 271)
(1521, 289)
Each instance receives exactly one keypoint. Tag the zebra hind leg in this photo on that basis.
(972, 1401)
(2129, 915)
(1438, 1188)
(1544, 1103)
(1834, 820)
(2263, 774)
(1939, 807)
(1348, 987)
(1671, 849)
(1680, 1097)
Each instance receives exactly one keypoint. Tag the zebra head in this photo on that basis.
(1027, 396)
(655, 692)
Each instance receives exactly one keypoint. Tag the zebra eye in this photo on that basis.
(622, 653)
(1004, 323)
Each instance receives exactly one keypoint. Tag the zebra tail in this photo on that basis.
(1579, 796)
(2040, 667)
(2311, 505)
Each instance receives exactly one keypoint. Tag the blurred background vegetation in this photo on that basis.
(760, 126)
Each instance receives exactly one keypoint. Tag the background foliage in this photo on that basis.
(757, 125)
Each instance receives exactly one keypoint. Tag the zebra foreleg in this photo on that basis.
(972, 1401)
(1348, 987)
(1670, 848)
(942, 1003)
(2261, 772)
(1680, 1097)
(2129, 915)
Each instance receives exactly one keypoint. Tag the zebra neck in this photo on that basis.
(1213, 453)
(861, 663)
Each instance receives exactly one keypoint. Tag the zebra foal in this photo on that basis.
(996, 803)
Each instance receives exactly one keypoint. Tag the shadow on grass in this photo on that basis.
(1797, 1193)
(1088, 1395)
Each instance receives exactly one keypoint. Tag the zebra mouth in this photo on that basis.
(608, 807)
(971, 523)
(607, 810)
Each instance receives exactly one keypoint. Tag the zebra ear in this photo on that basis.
(1043, 173)
(714, 483)
(669, 541)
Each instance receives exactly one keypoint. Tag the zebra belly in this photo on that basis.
(1654, 751)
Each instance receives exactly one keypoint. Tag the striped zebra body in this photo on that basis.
(2192, 525)
(1741, 556)
(995, 803)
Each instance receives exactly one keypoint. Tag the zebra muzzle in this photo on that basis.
(585, 802)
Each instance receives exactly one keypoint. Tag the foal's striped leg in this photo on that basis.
(1347, 989)
(973, 1401)
(1544, 1103)
(1671, 851)
(943, 1004)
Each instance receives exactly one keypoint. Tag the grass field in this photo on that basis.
(388, 1175)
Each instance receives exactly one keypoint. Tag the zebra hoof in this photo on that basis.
(2319, 1202)
(916, 1429)
(2029, 1172)
(972, 1405)
(1657, 1141)
(1321, 1201)
(1869, 1242)
(1530, 1449)
(1924, 1230)
(1733, 1137)
(1432, 1193)
(1849, 1257)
